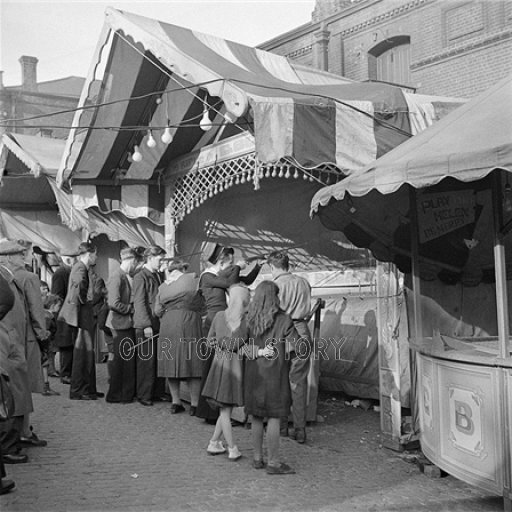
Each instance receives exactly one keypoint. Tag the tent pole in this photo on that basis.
(416, 292)
(500, 269)
(500, 272)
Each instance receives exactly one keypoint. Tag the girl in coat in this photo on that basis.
(223, 386)
(267, 385)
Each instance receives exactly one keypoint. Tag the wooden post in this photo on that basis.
(314, 368)
(500, 273)
(416, 290)
(388, 314)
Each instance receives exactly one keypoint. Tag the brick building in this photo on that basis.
(443, 47)
(33, 98)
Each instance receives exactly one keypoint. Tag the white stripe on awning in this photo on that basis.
(355, 137)
(135, 200)
(219, 46)
(278, 66)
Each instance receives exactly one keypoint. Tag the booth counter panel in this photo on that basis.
(461, 420)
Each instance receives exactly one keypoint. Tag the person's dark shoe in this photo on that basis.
(6, 486)
(66, 380)
(142, 401)
(55, 373)
(86, 397)
(258, 464)
(283, 431)
(11, 458)
(99, 394)
(163, 398)
(33, 440)
(47, 391)
(192, 410)
(176, 408)
(299, 435)
(282, 469)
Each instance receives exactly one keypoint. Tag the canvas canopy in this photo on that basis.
(33, 208)
(451, 163)
(155, 75)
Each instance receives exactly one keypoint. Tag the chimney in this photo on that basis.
(28, 73)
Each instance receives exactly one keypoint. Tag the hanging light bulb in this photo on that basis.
(296, 174)
(151, 142)
(167, 136)
(205, 123)
(137, 155)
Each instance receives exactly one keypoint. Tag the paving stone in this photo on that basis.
(95, 448)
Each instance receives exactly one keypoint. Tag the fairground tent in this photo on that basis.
(28, 209)
(450, 165)
(30, 201)
(219, 141)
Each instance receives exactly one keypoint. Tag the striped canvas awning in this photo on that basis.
(33, 208)
(155, 75)
(448, 165)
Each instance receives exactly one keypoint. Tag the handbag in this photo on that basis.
(6, 398)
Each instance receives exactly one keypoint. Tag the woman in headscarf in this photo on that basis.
(223, 386)
(180, 304)
(267, 385)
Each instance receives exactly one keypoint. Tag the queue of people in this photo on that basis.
(167, 325)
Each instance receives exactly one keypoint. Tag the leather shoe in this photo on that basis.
(192, 410)
(6, 486)
(145, 402)
(84, 397)
(282, 469)
(66, 380)
(99, 394)
(33, 440)
(176, 408)
(11, 458)
(299, 435)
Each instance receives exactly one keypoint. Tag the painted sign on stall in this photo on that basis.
(444, 212)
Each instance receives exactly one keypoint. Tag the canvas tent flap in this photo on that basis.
(116, 226)
(43, 228)
(454, 205)
(256, 88)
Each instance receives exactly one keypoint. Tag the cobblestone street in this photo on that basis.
(133, 458)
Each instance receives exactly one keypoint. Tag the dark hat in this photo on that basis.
(10, 247)
(211, 251)
(86, 247)
(69, 251)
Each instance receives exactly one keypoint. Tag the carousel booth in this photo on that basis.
(439, 207)
(221, 142)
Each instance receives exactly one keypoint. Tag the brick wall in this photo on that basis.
(457, 48)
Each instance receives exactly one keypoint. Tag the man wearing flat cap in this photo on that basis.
(77, 311)
(36, 329)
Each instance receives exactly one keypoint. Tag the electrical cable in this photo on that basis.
(202, 84)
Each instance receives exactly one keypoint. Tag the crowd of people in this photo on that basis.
(163, 325)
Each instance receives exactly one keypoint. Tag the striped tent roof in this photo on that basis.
(155, 74)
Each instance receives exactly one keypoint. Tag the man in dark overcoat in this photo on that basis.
(13, 355)
(145, 287)
(66, 334)
(77, 311)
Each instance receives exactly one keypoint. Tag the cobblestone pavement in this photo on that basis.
(133, 458)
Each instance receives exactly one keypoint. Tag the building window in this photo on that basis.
(390, 61)
(45, 132)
